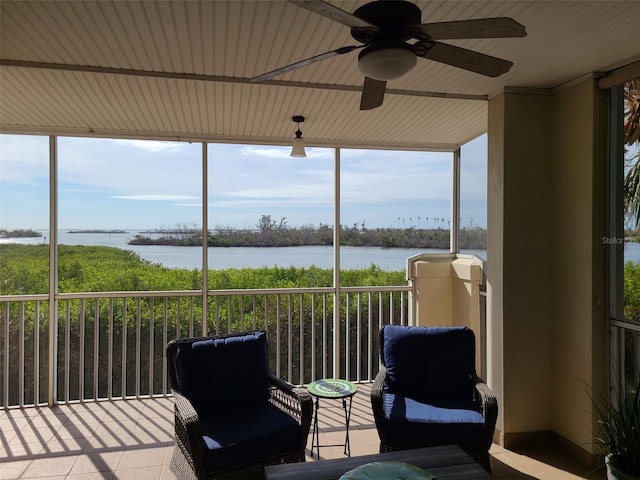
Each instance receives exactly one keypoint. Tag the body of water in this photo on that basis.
(254, 257)
(239, 257)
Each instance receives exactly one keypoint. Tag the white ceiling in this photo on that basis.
(182, 69)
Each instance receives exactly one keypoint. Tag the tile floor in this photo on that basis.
(134, 440)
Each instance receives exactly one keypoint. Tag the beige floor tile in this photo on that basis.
(142, 457)
(20, 451)
(115, 428)
(106, 443)
(91, 476)
(167, 474)
(97, 462)
(46, 421)
(158, 406)
(55, 477)
(152, 433)
(134, 439)
(78, 426)
(49, 466)
(29, 434)
(146, 473)
(12, 469)
(71, 446)
(95, 410)
(8, 431)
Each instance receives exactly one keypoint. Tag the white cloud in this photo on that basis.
(155, 198)
(24, 159)
(153, 145)
(269, 152)
(242, 178)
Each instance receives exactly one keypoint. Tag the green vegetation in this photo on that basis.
(269, 233)
(618, 428)
(632, 291)
(19, 233)
(24, 269)
(97, 231)
(114, 345)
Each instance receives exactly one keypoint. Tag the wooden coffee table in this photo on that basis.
(447, 462)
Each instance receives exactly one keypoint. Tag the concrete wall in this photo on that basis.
(546, 329)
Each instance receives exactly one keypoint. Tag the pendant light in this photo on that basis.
(298, 143)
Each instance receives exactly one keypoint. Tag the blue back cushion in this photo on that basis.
(429, 360)
(223, 374)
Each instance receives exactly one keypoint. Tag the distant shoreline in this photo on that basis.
(19, 233)
(97, 231)
(284, 236)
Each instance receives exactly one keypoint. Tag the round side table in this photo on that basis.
(331, 388)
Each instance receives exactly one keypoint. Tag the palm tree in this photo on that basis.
(632, 164)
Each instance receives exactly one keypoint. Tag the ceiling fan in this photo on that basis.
(393, 36)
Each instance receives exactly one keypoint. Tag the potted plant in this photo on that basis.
(618, 432)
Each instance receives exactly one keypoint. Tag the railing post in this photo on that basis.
(53, 269)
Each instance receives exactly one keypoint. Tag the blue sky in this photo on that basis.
(108, 184)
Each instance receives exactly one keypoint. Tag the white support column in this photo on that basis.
(205, 238)
(336, 265)
(454, 244)
(53, 270)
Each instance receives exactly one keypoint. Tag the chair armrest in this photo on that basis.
(188, 431)
(295, 401)
(377, 402)
(489, 405)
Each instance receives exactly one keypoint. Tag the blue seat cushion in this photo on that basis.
(248, 434)
(434, 420)
(429, 360)
(222, 374)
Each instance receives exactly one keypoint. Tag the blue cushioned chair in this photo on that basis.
(427, 392)
(231, 416)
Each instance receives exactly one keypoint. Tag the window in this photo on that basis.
(397, 201)
(119, 193)
(473, 197)
(24, 214)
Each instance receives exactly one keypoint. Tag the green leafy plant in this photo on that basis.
(618, 428)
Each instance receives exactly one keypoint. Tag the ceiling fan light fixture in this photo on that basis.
(386, 63)
(297, 149)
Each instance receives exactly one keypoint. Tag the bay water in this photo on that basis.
(390, 259)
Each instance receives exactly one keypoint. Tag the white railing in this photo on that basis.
(111, 345)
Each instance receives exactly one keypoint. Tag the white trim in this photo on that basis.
(620, 75)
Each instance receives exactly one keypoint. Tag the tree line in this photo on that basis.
(271, 233)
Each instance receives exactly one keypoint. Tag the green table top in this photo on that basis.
(332, 388)
(387, 471)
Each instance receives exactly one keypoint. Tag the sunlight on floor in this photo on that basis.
(133, 439)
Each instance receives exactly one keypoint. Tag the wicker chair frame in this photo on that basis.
(188, 462)
(483, 397)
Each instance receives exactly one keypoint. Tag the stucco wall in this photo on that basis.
(446, 291)
(545, 275)
(579, 305)
(523, 261)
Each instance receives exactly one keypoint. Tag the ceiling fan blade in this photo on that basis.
(499, 27)
(372, 93)
(304, 63)
(334, 13)
(468, 59)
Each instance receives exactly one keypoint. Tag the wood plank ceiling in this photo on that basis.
(182, 70)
